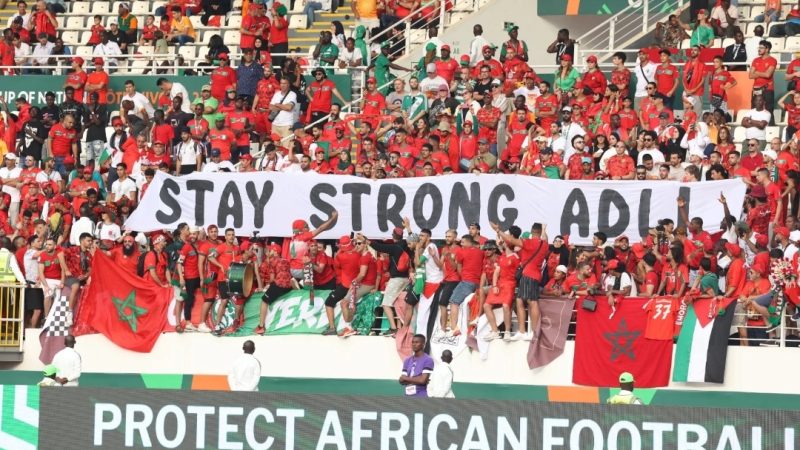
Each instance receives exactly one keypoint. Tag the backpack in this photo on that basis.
(140, 270)
(403, 262)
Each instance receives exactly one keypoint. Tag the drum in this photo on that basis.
(241, 278)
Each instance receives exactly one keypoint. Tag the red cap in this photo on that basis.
(339, 126)
(98, 61)
(69, 160)
(345, 241)
(212, 227)
(275, 137)
(87, 169)
(464, 58)
(702, 11)
(485, 47)
(78, 60)
(733, 249)
(397, 231)
(592, 59)
(223, 55)
(531, 75)
(116, 121)
(246, 156)
(613, 265)
(299, 224)
(762, 240)
(638, 250)
(759, 268)
(275, 248)
(59, 199)
(783, 231)
(708, 246)
(372, 80)
(159, 142)
(566, 57)
(445, 47)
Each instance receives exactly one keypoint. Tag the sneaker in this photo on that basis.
(179, 328)
(347, 332)
(507, 336)
(203, 328)
(527, 336)
(491, 336)
(190, 327)
(769, 343)
(329, 332)
(260, 330)
(68, 319)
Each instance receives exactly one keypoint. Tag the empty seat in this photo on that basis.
(740, 115)
(187, 51)
(196, 22)
(755, 10)
(773, 132)
(61, 21)
(777, 44)
(80, 7)
(792, 44)
(298, 21)
(235, 22)
(231, 37)
(686, 43)
(76, 23)
(141, 8)
(100, 8)
(727, 41)
(84, 50)
(138, 66)
(70, 37)
(738, 134)
(85, 36)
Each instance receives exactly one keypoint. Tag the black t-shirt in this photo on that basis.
(483, 89)
(76, 109)
(29, 145)
(51, 113)
(95, 130)
(178, 120)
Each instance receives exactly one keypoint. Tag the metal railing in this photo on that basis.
(12, 317)
(624, 27)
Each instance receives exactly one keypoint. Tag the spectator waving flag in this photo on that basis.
(128, 310)
(608, 344)
(702, 349)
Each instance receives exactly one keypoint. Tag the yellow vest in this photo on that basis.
(6, 274)
(622, 400)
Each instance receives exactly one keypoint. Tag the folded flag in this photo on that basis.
(555, 315)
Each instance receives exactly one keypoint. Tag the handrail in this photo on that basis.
(406, 22)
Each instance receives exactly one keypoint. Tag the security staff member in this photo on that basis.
(625, 396)
(9, 268)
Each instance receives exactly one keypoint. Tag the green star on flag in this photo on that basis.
(128, 311)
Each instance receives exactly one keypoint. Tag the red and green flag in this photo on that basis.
(127, 309)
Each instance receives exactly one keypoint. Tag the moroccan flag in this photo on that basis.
(555, 315)
(607, 345)
(702, 349)
(128, 310)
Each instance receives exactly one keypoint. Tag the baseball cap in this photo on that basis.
(794, 236)
(397, 231)
(49, 370)
(444, 87)
(206, 87)
(626, 377)
(224, 56)
(372, 80)
(98, 61)
(566, 108)
(78, 60)
(561, 268)
(430, 68)
(345, 241)
(586, 160)
(297, 126)
(246, 156)
(733, 249)
(215, 152)
(783, 231)
(566, 57)
(483, 141)
(663, 115)
(275, 248)
(591, 59)
(11, 156)
(613, 265)
(445, 47)
(430, 47)
(464, 60)
(770, 153)
(496, 82)
(88, 169)
(299, 224)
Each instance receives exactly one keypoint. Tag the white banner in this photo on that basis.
(268, 202)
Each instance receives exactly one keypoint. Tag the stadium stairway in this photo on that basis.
(6, 13)
(306, 38)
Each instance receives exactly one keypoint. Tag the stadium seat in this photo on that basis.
(100, 8)
(146, 50)
(206, 36)
(187, 51)
(738, 148)
(685, 44)
(754, 11)
(141, 8)
(202, 51)
(84, 50)
(740, 115)
(138, 66)
(61, 21)
(773, 132)
(85, 36)
(792, 44)
(298, 21)
(76, 23)
(727, 41)
(717, 43)
(196, 22)
(738, 134)
(298, 8)
(777, 44)
(80, 8)
(231, 38)
(70, 37)
(751, 28)
(744, 13)
(237, 4)
(235, 22)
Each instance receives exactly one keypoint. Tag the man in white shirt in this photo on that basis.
(83, 225)
(174, 89)
(68, 363)
(41, 54)
(123, 187)
(476, 45)
(649, 148)
(283, 102)
(21, 12)
(141, 105)
(755, 122)
(216, 165)
(569, 130)
(645, 72)
(108, 50)
(430, 85)
(21, 51)
(9, 179)
(441, 382)
(246, 371)
(723, 18)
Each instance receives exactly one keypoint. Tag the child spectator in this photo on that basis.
(149, 31)
(97, 31)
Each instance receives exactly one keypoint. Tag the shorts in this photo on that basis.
(210, 291)
(764, 300)
(445, 291)
(52, 286)
(273, 293)
(393, 288)
(336, 296)
(329, 286)
(529, 289)
(739, 315)
(34, 299)
(506, 295)
(462, 290)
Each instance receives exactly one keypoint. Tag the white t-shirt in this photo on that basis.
(433, 274)
(187, 153)
(643, 76)
(108, 231)
(349, 57)
(753, 132)
(212, 167)
(108, 51)
(140, 102)
(124, 187)
(658, 157)
(284, 118)
(245, 374)
(43, 177)
(624, 281)
(7, 174)
(179, 91)
(431, 85)
(718, 13)
(26, 18)
(68, 364)
(569, 131)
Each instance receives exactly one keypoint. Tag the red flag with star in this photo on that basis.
(608, 344)
(127, 309)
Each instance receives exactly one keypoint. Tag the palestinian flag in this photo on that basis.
(702, 348)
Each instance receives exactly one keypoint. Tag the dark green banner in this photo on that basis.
(593, 7)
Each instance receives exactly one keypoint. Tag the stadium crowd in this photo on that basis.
(65, 197)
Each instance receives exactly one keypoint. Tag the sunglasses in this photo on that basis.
(751, 145)
(359, 242)
(648, 139)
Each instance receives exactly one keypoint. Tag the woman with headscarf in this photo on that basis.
(344, 166)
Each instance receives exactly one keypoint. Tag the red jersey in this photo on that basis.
(265, 89)
(127, 263)
(372, 271)
(450, 257)
(279, 35)
(621, 79)
(225, 255)
(347, 265)
(532, 255)
(327, 274)
(163, 133)
(157, 261)
(190, 258)
(508, 265)
(321, 96)
(494, 65)
(238, 121)
(761, 64)
(471, 259)
(62, 140)
(596, 81)
(198, 128)
(221, 78)
(52, 266)
(374, 104)
(99, 78)
(148, 32)
(573, 283)
(446, 68)
(78, 81)
(666, 77)
(671, 275)
(661, 318)
(718, 81)
(518, 131)
(223, 140)
(547, 104)
(650, 280)
(252, 24)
